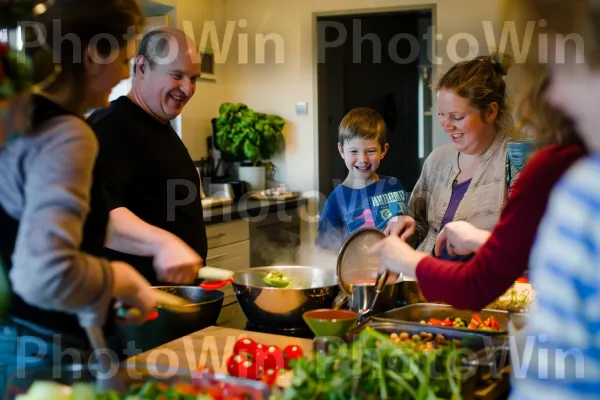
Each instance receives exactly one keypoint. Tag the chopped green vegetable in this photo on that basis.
(276, 279)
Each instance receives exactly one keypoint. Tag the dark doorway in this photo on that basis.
(367, 60)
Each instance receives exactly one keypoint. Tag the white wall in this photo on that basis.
(275, 88)
(204, 105)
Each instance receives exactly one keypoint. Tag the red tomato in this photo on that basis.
(272, 358)
(244, 345)
(435, 321)
(447, 322)
(291, 352)
(240, 366)
(269, 377)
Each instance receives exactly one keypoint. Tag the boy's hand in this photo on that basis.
(401, 225)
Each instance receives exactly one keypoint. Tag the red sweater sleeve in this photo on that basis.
(504, 257)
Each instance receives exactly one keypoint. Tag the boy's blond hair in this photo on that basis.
(363, 123)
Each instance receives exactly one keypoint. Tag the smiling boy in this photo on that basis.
(364, 199)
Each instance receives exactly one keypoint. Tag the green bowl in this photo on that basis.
(329, 322)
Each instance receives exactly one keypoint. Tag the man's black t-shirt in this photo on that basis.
(144, 166)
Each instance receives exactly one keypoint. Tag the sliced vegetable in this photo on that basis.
(276, 279)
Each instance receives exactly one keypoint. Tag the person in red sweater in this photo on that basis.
(501, 256)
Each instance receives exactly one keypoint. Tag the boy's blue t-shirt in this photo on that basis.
(347, 210)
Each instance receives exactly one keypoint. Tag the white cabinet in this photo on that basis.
(229, 248)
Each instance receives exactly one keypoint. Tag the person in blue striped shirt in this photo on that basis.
(559, 355)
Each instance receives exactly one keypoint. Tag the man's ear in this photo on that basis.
(140, 65)
(384, 151)
(341, 150)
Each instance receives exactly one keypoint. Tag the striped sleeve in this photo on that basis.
(561, 356)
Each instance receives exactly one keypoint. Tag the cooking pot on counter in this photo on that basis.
(394, 294)
(171, 325)
(274, 308)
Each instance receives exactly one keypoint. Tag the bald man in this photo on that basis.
(150, 184)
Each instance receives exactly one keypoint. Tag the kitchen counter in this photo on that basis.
(250, 209)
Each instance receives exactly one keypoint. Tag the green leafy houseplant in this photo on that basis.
(244, 132)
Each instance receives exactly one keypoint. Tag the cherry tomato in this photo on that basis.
(240, 366)
(272, 358)
(269, 377)
(290, 353)
(244, 345)
(249, 348)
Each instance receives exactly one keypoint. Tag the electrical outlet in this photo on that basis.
(302, 108)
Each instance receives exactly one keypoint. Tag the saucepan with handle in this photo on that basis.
(198, 309)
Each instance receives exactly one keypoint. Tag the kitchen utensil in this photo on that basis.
(108, 378)
(202, 310)
(415, 313)
(357, 270)
(328, 322)
(213, 274)
(393, 295)
(281, 308)
(166, 301)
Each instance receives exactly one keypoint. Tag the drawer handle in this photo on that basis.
(215, 257)
(218, 235)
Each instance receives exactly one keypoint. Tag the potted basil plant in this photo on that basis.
(254, 137)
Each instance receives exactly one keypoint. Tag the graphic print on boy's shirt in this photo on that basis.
(347, 210)
(373, 211)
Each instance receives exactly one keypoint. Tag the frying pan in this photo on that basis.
(170, 325)
(268, 307)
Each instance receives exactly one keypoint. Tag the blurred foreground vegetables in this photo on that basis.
(47, 390)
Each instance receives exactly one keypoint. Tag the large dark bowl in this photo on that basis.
(169, 325)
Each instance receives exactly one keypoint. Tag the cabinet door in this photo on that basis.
(227, 233)
(233, 257)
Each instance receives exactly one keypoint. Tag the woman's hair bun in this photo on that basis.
(502, 62)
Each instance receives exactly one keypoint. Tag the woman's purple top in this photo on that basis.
(458, 192)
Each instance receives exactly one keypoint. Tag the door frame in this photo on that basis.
(316, 95)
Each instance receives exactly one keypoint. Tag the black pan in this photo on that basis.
(171, 325)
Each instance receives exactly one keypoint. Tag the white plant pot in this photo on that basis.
(255, 177)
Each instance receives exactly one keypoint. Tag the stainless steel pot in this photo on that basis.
(394, 295)
(282, 308)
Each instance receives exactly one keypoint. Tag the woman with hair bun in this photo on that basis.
(502, 255)
(464, 180)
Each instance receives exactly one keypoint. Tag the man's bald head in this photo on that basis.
(164, 44)
(166, 69)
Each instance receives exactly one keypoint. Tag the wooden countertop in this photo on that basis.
(209, 347)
